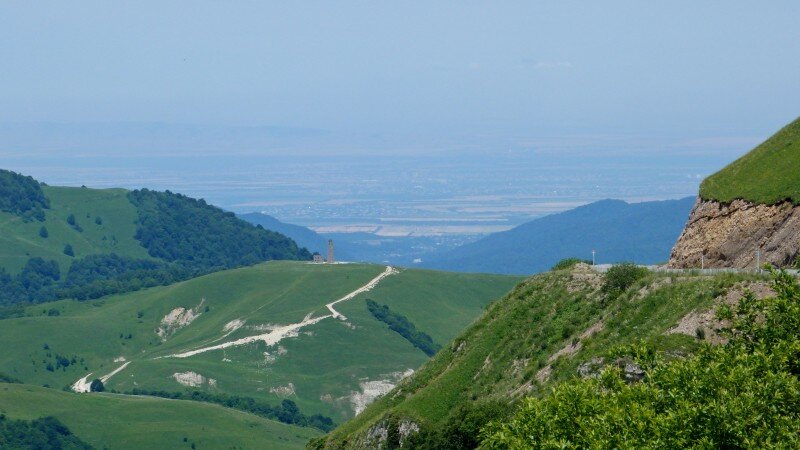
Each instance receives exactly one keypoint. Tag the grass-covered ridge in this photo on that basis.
(125, 422)
(768, 174)
(539, 335)
(743, 394)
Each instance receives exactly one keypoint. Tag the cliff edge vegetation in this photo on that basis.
(768, 174)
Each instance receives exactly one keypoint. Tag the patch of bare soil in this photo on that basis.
(583, 277)
(705, 323)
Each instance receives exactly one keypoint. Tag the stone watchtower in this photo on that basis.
(330, 251)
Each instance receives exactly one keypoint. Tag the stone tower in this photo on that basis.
(330, 251)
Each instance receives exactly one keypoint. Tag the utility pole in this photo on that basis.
(758, 260)
(592, 257)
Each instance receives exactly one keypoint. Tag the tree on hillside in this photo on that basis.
(43, 232)
(68, 250)
(97, 386)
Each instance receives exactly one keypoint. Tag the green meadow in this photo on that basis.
(125, 422)
(320, 367)
(105, 216)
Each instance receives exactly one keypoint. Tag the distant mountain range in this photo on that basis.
(618, 231)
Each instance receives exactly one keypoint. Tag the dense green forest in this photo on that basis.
(401, 325)
(41, 434)
(22, 195)
(88, 278)
(286, 412)
(191, 232)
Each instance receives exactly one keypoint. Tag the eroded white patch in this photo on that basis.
(233, 325)
(191, 379)
(283, 391)
(177, 319)
(371, 390)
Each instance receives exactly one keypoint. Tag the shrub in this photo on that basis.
(43, 232)
(68, 250)
(620, 277)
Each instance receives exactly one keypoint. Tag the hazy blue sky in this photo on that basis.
(244, 103)
(428, 68)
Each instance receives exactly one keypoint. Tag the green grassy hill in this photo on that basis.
(20, 239)
(767, 174)
(532, 339)
(60, 242)
(324, 367)
(125, 422)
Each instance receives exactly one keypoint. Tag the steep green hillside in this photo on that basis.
(125, 422)
(743, 393)
(59, 242)
(768, 174)
(325, 365)
(536, 336)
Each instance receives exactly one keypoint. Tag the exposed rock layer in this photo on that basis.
(729, 235)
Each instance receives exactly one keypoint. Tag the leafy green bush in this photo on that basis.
(745, 394)
(620, 277)
(567, 263)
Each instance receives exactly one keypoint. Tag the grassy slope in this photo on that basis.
(505, 349)
(767, 174)
(115, 421)
(329, 361)
(20, 240)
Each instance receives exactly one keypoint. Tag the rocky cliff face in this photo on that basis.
(730, 234)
